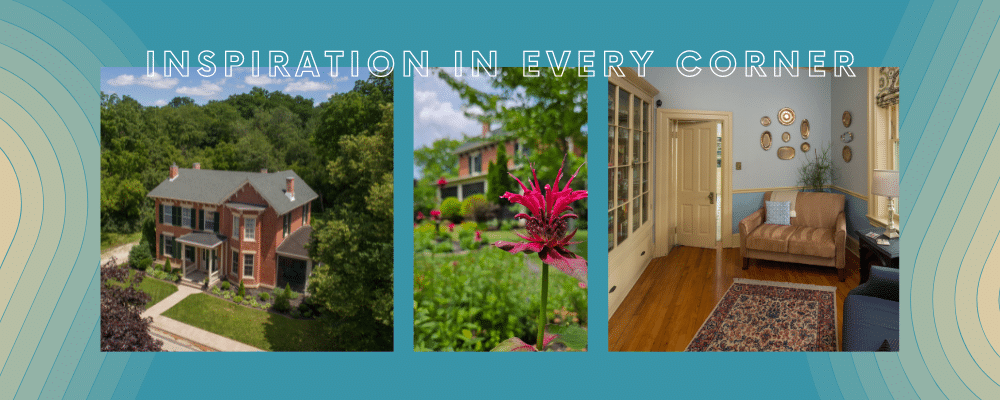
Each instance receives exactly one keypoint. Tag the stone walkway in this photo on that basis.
(188, 332)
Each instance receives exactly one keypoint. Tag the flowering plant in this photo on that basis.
(451, 227)
(441, 182)
(420, 215)
(547, 221)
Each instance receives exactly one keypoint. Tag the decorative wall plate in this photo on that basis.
(786, 152)
(804, 128)
(765, 121)
(765, 140)
(848, 154)
(785, 137)
(805, 147)
(847, 137)
(786, 116)
(847, 119)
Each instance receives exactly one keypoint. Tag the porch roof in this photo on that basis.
(295, 244)
(208, 240)
(245, 206)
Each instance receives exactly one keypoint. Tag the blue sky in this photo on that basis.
(158, 90)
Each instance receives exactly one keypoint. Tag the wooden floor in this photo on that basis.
(676, 294)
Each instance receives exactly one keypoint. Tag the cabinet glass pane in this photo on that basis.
(611, 188)
(645, 116)
(645, 207)
(611, 104)
(636, 113)
(645, 146)
(636, 149)
(645, 177)
(611, 230)
(622, 146)
(635, 214)
(611, 145)
(623, 108)
(622, 183)
(622, 223)
(635, 180)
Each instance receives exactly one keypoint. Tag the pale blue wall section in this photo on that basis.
(856, 210)
(745, 204)
(749, 99)
(848, 94)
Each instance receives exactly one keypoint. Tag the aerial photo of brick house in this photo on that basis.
(232, 225)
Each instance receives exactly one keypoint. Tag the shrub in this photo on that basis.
(307, 314)
(476, 208)
(423, 241)
(469, 243)
(507, 225)
(444, 247)
(264, 296)
(426, 227)
(216, 291)
(225, 285)
(242, 291)
(281, 303)
(464, 234)
(451, 209)
(238, 299)
(166, 267)
(491, 296)
(294, 313)
(227, 295)
(139, 256)
(303, 307)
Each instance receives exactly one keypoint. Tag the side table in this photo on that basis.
(869, 252)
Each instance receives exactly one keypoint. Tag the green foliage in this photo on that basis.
(140, 256)
(166, 267)
(264, 296)
(476, 208)
(475, 301)
(281, 302)
(238, 299)
(451, 209)
(816, 173)
(507, 225)
(242, 291)
(443, 247)
(469, 242)
(499, 179)
(225, 285)
(423, 240)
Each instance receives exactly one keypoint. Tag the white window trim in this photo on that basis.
(243, 265)
(879, 143)
(249, 235)
(168, 206)
(236, 227)
(186, 214)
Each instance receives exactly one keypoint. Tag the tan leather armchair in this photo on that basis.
(817, 235)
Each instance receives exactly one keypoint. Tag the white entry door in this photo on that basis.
(696, 193)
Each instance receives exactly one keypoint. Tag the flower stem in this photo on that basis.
(541, 313)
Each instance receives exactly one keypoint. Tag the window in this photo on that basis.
(628, 163)
(287, 225)
(236, 227)
(305, 214)
(248, 265)
(189, 254)
(186, 219)
(883, 143)
(210, 221)
(168, 214)
(235, 262)
(168, 246)
(475, 163)
(249, 228)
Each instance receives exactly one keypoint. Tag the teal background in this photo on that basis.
(50, 58)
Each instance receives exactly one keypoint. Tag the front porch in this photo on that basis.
(201, 252)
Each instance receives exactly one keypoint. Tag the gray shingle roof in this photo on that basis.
(478, 142)
(295, 244)
(214, 187)
(202, 239)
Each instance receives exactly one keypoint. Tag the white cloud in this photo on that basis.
(206, 89)
(264, 80)
(156, 81)
(307, 85)
(160, 103)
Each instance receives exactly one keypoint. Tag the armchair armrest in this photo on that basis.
(883, 283)
(840, 239)
(747, 225)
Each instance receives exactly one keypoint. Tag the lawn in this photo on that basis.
(157, 289)
(257, 328)
(111, 239)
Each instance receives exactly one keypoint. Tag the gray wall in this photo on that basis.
(848, 94)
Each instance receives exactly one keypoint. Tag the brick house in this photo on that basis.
(474, 158)
(232, 225)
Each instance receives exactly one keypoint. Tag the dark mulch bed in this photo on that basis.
(254, 293)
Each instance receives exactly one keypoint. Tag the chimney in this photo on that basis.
(290, 187)
(263, 170)
(197, 165)
(173, 171)
(486, 128)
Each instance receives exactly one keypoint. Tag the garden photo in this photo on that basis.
(500, 211)
(235, 215)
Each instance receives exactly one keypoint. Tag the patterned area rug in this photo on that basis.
(771, 316)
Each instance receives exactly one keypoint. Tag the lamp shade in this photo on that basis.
(885, 183)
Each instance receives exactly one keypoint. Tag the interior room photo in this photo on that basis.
(753, 213)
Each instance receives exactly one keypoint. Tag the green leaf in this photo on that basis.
(573, 337)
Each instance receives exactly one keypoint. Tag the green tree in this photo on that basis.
(499, 179)
(354, 244)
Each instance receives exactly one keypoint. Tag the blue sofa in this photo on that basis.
(871, 312)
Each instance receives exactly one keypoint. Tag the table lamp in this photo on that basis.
(886, 183)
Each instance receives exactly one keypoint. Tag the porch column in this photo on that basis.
(309, 267)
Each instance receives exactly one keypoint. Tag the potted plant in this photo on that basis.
(815, 174)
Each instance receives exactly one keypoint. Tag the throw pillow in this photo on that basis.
(778, 213)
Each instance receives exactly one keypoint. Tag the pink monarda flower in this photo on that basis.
(479, 236)
(546, 223)
(451, 227)
(441, 182)
(420, 215)
(435, 214)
